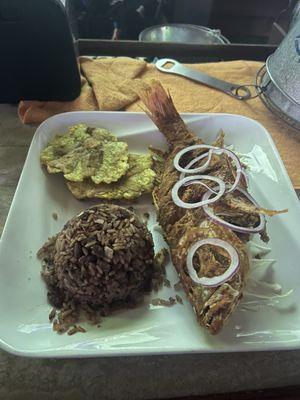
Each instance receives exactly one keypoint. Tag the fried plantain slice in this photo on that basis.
(138, 179)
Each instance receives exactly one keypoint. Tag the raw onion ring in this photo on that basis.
(186, 150)
(203, 167)
(238, 167)
(216, 280)
(192, 179)
(212, 150)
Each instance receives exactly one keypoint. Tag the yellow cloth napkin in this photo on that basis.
(109, 85)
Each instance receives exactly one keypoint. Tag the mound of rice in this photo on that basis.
(103, 259)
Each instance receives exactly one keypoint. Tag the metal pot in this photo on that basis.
(281, 78)
(182, 33)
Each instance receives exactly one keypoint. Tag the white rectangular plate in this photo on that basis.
(25, 328)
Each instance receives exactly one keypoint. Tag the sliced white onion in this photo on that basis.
(203, 167)
(200, 183)
(187, 170)
(237, 165)
(212, 150)
(216, 280)
(193, 179)
(246, 176)
(226, 224)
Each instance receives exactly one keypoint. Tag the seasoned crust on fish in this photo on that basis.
(211, 309)
(183, 227)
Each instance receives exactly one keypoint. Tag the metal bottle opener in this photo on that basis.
(240, 92)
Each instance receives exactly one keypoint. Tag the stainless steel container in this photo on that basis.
(182, 33)
(280, 79)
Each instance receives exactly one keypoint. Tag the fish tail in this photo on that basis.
(161, 110)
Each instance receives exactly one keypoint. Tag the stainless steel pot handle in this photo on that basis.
(240, 92)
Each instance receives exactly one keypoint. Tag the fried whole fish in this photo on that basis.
(184, 227)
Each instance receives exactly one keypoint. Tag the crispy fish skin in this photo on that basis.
(212, 306)
(138, 179)
(182, 227)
